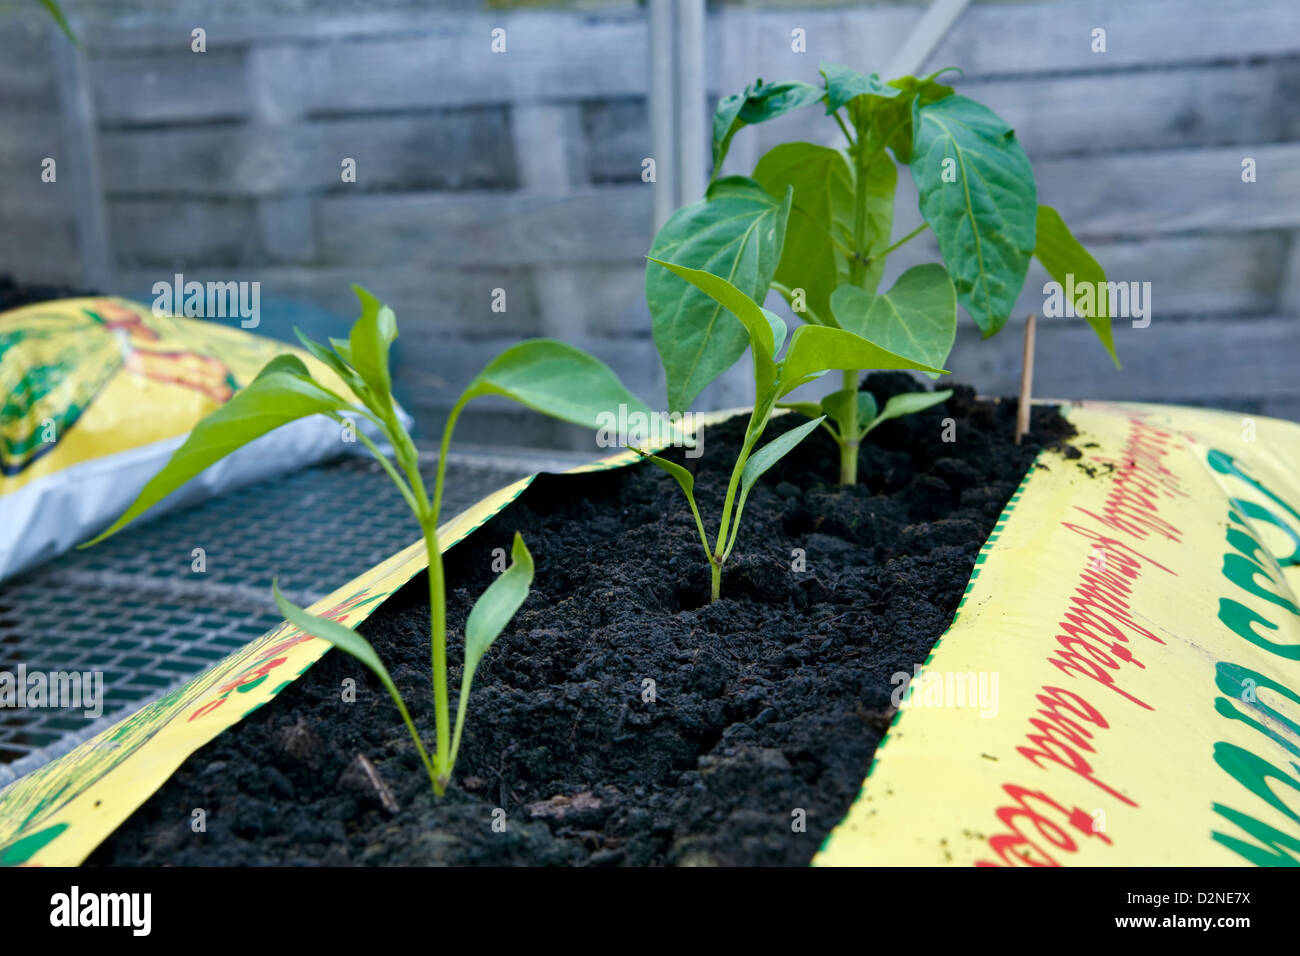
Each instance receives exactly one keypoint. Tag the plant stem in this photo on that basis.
(907, 238)
(849, 440)
(721, 549)
(438, 604)
(862, 154)
(843, 129)
(740, 505)
(438, 640)
(407, 495)
(417, 499)
(438, 788)
(699, 522)
(427, 513)
(715, 590)
(442, 454)
(858, 262)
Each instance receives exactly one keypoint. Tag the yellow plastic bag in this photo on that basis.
(97, 394)
(1121, 684)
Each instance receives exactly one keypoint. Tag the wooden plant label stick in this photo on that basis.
(1026, 380)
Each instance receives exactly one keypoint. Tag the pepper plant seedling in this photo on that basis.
(812, 350)
(545, 375)
(815, 223)
(830, 408)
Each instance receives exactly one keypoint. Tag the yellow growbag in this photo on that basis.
(1121, 683)
(95, 395)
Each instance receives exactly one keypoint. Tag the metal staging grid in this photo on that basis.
(133, 609)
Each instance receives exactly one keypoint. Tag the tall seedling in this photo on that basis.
(545, 375)
(811, 352)
(815, 223)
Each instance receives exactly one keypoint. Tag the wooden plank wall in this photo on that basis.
(521, 171)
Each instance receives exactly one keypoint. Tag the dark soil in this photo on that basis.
(769, 702)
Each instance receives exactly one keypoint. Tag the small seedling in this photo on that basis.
(812, 350)
(545, 375)
(815, 223)
(831, 407)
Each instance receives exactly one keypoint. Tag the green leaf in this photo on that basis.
(56, 13)
(892, 119)
(984, 219)
(761, 326)
(820, 231)
(330, 358)
(866, 406)
(368, 345)
(493, 611)
(726, 121)
(759, 103)
(806, 409)
(1063, 255)
(844, 85)
(487, 619)
(282, 392)
(836, 407)
(769, 455)
(680, 474)
(907, 403)
(882, 183)
(738, 235)
(350, 642)
(287, 363)
(774, 451)
(766, 101)
(753, 316)
(777, 325)
(687, 482)
(343, 348)
(339, 635)
(816, 348)
(917, 317)
(740, 187)
(556, 379)
(881, 112)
